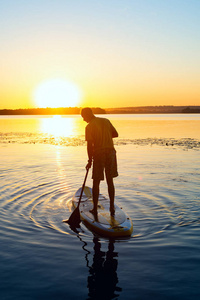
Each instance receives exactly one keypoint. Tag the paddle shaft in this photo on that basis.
(74, 220)
(79, 201)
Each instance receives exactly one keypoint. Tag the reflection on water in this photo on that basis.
(62, 126)
(41, 258)
(176, 131)
(102, 279)
(57, 126)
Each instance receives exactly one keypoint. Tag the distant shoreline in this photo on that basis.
(97, 110)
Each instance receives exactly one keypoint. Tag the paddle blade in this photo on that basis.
(74, 220)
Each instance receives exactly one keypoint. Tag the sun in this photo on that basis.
(57, 93)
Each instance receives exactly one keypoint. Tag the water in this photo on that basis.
(42, 165)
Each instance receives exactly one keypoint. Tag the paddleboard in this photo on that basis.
(118, 226)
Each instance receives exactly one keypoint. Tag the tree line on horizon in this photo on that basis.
(49, 111)
(98, 110)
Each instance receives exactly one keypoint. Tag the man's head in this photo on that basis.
(87, 114)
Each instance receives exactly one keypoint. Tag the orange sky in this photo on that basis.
(129, 54)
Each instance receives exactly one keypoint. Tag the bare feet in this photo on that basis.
(92, 211)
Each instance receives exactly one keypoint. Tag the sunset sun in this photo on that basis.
(57, 93)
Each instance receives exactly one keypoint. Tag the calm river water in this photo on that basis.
(43, 163)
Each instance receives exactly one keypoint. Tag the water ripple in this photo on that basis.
(156, 201)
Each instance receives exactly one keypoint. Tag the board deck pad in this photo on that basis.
(104, 220)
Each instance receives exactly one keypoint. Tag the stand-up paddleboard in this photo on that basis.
(118, 226)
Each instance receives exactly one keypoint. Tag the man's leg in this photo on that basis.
(95, 194)
(111, 193)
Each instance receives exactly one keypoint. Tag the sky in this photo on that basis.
(118, 53)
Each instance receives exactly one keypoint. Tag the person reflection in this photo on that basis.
(102, 280)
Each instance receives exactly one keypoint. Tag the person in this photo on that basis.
(99, 134)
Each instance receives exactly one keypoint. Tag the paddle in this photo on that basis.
(74, 220)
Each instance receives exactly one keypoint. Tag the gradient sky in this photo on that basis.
(119, 52)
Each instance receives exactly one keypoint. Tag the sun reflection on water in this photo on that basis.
(61, 172)
(58, 126)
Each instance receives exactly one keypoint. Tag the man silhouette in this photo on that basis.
(99, 134)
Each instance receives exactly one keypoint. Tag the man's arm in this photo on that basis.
(90, 151)
(114, 132)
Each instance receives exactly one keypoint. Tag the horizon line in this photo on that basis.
(79, 107)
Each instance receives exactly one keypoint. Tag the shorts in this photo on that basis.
(105, 160)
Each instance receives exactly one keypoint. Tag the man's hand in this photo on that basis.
(89, 164)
